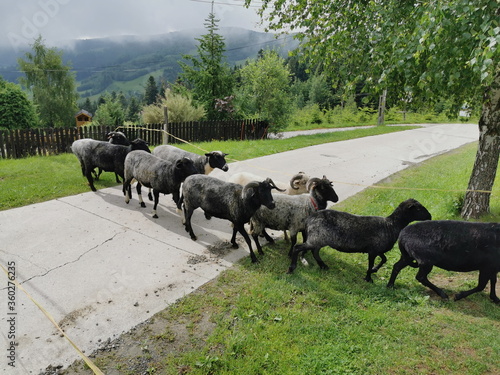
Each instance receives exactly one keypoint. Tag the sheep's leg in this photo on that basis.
(484, 277)
(403, 262)
(176, 196)
(127, 190)
(241, 229)
(321, 264)
(257, 243)
(382, 262)
(267, 236)
(88, 174)
(117, 179)
(150, 195)
(187, 222)
(301, 250)
(371, 262)
(293, 240)
(422, 273)
(233, 238)
(139, 194)
(156, 195)
(493, 282)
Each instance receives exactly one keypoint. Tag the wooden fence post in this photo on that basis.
(165, 125)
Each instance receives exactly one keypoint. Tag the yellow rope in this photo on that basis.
(46, 313)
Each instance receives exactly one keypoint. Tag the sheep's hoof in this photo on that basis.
(155, 216)
(194, 238)
(290, 270)
(368, 279)
(234, 246)
(143, 205)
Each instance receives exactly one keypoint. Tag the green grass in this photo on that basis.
(38, 179)
(263, 321)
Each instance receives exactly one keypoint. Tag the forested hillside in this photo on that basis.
(124, 63)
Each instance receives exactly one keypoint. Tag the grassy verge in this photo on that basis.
(255, 319)
(38, 179)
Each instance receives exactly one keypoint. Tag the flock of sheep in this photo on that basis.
(299, 207)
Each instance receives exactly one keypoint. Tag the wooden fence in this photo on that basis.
(20, 143)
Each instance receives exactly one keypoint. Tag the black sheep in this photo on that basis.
(348, 233)
(454, 246)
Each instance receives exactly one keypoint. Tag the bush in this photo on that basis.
(180, 108)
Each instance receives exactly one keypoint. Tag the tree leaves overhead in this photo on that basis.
(422, 49)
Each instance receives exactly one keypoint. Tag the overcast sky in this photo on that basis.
(61, 20)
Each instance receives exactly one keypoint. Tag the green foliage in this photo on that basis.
(429, 50)
(208, 74)
(151, 92)
(51, 83)
(180, 108)
(110, 112)
(16, 110)
(264, 90)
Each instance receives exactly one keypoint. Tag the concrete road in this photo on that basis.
(100, 266)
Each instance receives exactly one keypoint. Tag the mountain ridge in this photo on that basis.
(99, 63)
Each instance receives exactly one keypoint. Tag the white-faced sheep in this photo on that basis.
(454, 246)
(104, 155)
(204, 163)
(291, 211)
(297, 184)
(225, 200)
(350, 233)
(160, 175)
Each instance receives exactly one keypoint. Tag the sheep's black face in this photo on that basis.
(216, 159)
(266, 198)
(418, 211)
(327, 191)
(186, 167)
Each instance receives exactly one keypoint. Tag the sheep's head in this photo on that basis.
(414, 210)
(299, 182)
(260, 192)
(216, 159)
(118, 138)
(140, 144)
(323, 187)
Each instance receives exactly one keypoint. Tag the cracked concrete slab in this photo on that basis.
(100, 266)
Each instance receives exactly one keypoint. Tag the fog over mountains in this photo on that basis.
(124, 63)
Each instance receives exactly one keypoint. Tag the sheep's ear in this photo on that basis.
(208, 154)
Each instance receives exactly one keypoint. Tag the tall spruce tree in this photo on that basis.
(208, 75)
(51, 83)
(151, 92)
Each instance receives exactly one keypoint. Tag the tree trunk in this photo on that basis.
(477, 198)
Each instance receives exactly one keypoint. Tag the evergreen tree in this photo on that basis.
(151, 92)
(208, 74)
(133, 110)
(51, 83)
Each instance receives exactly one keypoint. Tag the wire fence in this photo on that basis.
(20, 143)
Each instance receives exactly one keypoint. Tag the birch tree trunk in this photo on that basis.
(477, 203)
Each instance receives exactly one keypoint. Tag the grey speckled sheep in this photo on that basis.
(291, 211)
(348, 233)
(160, 175)
(104, 155)
(454, 246)
(225, 200)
